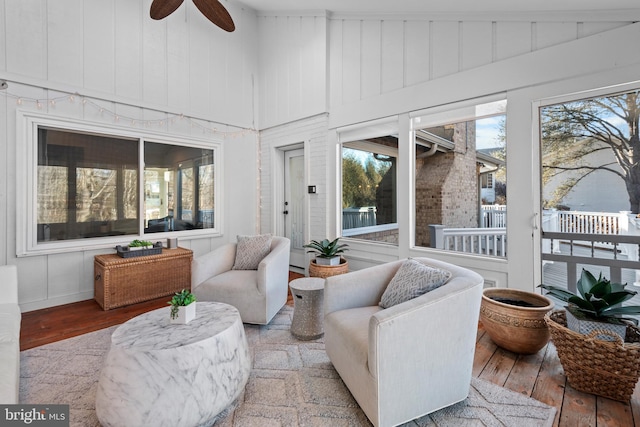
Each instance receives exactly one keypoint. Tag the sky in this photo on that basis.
(487, 131)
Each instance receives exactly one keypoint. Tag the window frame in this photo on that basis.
(463, 111)
(371, 129)
(29, 122)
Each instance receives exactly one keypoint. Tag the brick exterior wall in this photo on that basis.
(447, 186)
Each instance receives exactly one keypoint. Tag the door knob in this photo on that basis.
(286, 212)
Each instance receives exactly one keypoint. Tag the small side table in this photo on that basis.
(308, 297)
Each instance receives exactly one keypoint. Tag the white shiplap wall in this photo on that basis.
(311, 133)
(312, 63)
(371, 57)
(114, 56)
(292, 67)
(112, 49)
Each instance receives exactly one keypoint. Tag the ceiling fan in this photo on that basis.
(212, 9)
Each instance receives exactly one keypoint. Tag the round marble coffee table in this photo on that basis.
(162, 374)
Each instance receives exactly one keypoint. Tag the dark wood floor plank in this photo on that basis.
(499, 367)
(578, 408)
(53, 324)
(524, 374)
(611, 413)
(550, 384)
(485, 348)
(635, 404)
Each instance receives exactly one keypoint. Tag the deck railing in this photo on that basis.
(595, 223)
(484, 241)
(494, 218)
(358, 217)
(588, 222)
(624, 253)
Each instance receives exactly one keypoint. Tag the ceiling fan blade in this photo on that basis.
(162, 8)
(216, 13)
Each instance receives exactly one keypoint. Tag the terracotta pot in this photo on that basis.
(512, 327)
(325, 271)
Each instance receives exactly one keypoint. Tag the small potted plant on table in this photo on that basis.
(183, 307)
(328, 260)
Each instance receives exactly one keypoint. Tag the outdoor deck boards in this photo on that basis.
(541, 376)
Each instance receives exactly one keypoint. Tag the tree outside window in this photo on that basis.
(369, 196)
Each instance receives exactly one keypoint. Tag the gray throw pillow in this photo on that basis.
(251, 250)
(412, 280)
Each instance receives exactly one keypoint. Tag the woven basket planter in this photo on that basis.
(325, 271)
(606, 368)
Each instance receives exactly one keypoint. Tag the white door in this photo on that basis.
(294, 205)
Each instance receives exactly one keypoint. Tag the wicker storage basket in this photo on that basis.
(123, 281)
(607, 368)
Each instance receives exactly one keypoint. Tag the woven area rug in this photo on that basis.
(292, 383)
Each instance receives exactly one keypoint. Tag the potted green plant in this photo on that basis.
(327, 252)
(138, 245)
(183, 307)
(139, 248)
(598, 306)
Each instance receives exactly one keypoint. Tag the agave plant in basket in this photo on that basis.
(599, 300)
(327, 252)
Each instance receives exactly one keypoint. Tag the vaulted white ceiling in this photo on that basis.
(440, 6)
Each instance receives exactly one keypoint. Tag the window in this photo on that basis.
(86, 185)
(369, 194)
(590, 180)
(486, 181)
(91, 186)
(178, 188)
(460, 180)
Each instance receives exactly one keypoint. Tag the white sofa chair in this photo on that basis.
(410, 359)
(10, 318)
(257, 294)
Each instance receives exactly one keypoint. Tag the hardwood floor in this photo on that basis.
(539, 376)
(48, 325)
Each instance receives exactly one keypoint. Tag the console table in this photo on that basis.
(161, 374)
(123, 281)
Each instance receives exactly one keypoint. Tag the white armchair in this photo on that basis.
(10, 318)
(408, 360)
(257, 294)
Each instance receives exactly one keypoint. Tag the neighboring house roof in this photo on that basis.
(485, 156)
(434, 143)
